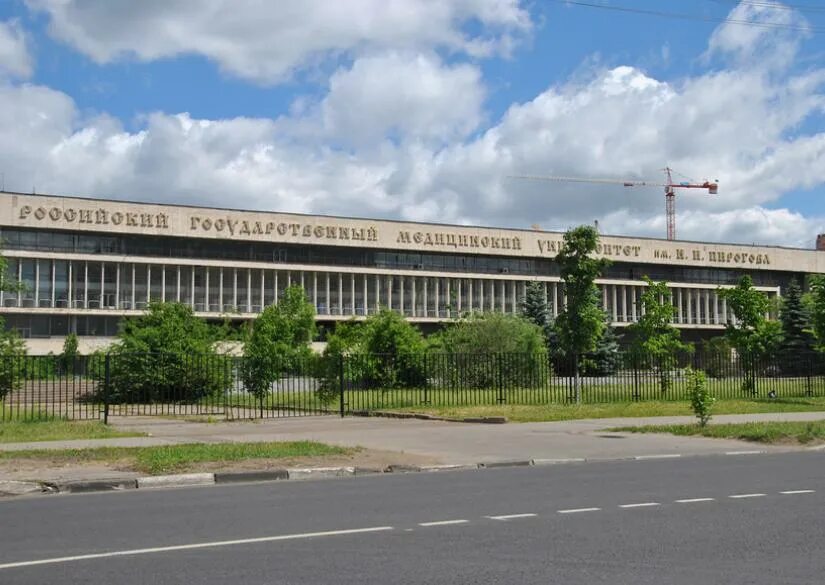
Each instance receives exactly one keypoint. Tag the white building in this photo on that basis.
(86, 263)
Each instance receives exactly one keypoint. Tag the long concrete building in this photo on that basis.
(87, 263)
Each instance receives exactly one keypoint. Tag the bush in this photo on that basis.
(164, 355)
(514, 348)
(717, 357)
(701, 400)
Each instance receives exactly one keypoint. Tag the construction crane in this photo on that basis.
(669, 186)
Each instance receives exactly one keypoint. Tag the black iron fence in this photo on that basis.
(100, 386)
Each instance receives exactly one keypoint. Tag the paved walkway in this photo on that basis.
(446, 442)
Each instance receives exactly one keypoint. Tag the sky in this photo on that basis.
(423, 110)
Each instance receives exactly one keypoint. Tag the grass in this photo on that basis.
(56, 429)
(173, 458)
(766, 432)
(557, 412)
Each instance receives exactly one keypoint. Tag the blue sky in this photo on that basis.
(426, 124)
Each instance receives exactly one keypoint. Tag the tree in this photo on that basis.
(606, 359)
(754, 337)
(12, 347)
(701, 399)
(817, 309)
(489, 350)
(656, 342)
(797, 340)
(68, 357)
(581, 321)
(534, 305)
(279, 342)
(165, 354)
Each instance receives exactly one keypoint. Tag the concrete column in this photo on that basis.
(163, 283)
(503, 296)
(689, 309)
(389, 292)
(716, 316)
(708, 318)
(556, 299)
(458, 295)
(248, 290)
(235, 289)
(625, 317)
(426, 297)
(36, 282)
(437, 299)
(614, 295)
(327, 307)
(514, 284)
(352, 294)
(449, 299)
(220, 289)
(414, 307)
(134, 270)
(470, 294)
(20, 279)
(401, 295)
(276, 287)
(71, 285)
(679, 315)
(340, 293)
(377, 292)
(177, 285)
(54, 279)
(206, 306)
(481, 295)
(117, 286)
(192, 292)
(86, 286)
(263, 287)
(102, 283)
(314, 289)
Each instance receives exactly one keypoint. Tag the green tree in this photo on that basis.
(817, 308)
(534, 305)
(797, 340)
(717, 356)
(12, 347)
(606, 359)
(701, 399)
(581, 321)
(68, 357)
(656, 342)
(754, 337)
(489, 350)
(165, 354)
(279, 342)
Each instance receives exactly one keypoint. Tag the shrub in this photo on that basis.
(701, 399)
(12, 360)
(163, 355)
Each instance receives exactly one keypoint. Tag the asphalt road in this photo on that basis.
(756, 519)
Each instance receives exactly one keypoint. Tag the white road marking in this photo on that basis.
(577, 510)
(642, 505)
(795, 492)
(511, 516)
(199, 545)
(663, 456)
(443, 523)
(741, 496)
(695, 500)
(744, 452)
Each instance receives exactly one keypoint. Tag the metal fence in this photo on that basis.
(100, 386)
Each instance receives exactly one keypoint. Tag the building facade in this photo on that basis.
(87, 263)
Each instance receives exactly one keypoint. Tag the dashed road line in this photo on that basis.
(442, 523)
(511, 516)
(640, 505)
(662, 456)
(796, 492)
(745, 452)
(743, 496)
(695, 500)
(578, 510)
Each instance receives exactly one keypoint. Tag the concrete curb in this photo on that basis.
(496, 420)
(179, 480)
(12, 488)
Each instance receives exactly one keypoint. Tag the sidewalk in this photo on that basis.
(444, 442)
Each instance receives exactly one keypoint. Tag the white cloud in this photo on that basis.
(741, 124)
(267, 41)
(15, 58)
(413, 96)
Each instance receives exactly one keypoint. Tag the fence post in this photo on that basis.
(341, 384)
(501, 398)
(107, 377)
(426, 382)
(634, 362)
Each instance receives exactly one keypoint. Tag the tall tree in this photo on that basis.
(279, 341)
(581, 321)
(752, 334)
(654, 336)
(797, 340)
(817, 309)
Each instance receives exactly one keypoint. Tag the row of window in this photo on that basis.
(172, 247)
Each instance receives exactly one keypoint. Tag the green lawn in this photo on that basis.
(172, 458)
(56, 429)
(556, 412)
(766, 432)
